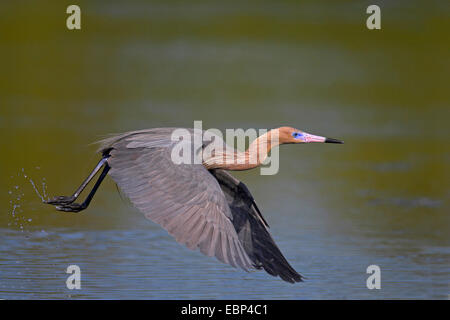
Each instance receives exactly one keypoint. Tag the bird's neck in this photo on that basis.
(257, 152)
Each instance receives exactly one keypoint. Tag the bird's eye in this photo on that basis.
(297, 135)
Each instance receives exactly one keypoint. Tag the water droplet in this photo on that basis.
(36, 190)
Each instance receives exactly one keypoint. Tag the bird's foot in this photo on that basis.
(61, 200)
(71, 207)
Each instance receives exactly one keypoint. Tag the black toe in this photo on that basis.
(60, 200)
(72, 207)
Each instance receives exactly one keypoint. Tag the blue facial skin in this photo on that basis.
(297, 135)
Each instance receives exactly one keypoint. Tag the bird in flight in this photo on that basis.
(200, 204)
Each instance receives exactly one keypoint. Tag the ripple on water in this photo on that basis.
(148, 263)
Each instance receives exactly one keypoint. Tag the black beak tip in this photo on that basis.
(331, 140)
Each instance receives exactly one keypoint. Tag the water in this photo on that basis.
(381, 198)
(147, 264)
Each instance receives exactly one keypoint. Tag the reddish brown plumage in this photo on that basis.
(257, 152)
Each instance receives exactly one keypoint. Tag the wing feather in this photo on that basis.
(184, 199)
(253, 230)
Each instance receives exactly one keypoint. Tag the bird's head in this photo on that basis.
(292, 135)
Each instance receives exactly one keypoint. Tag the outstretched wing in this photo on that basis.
(185, 199)
(252, 229)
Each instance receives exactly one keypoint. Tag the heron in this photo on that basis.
(200, 204)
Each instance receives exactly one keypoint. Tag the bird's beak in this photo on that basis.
(331, 140)
(312, 138)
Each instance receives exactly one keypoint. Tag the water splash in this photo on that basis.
(16, 208)
(19, 204)
(35, 188)
(42, 195)
(44, 188)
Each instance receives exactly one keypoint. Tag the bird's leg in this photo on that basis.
(64, 200)
(76, 207)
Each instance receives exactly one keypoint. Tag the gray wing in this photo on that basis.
(184, 199)
(252, 229)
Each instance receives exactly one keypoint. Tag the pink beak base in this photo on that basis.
(312, 138)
